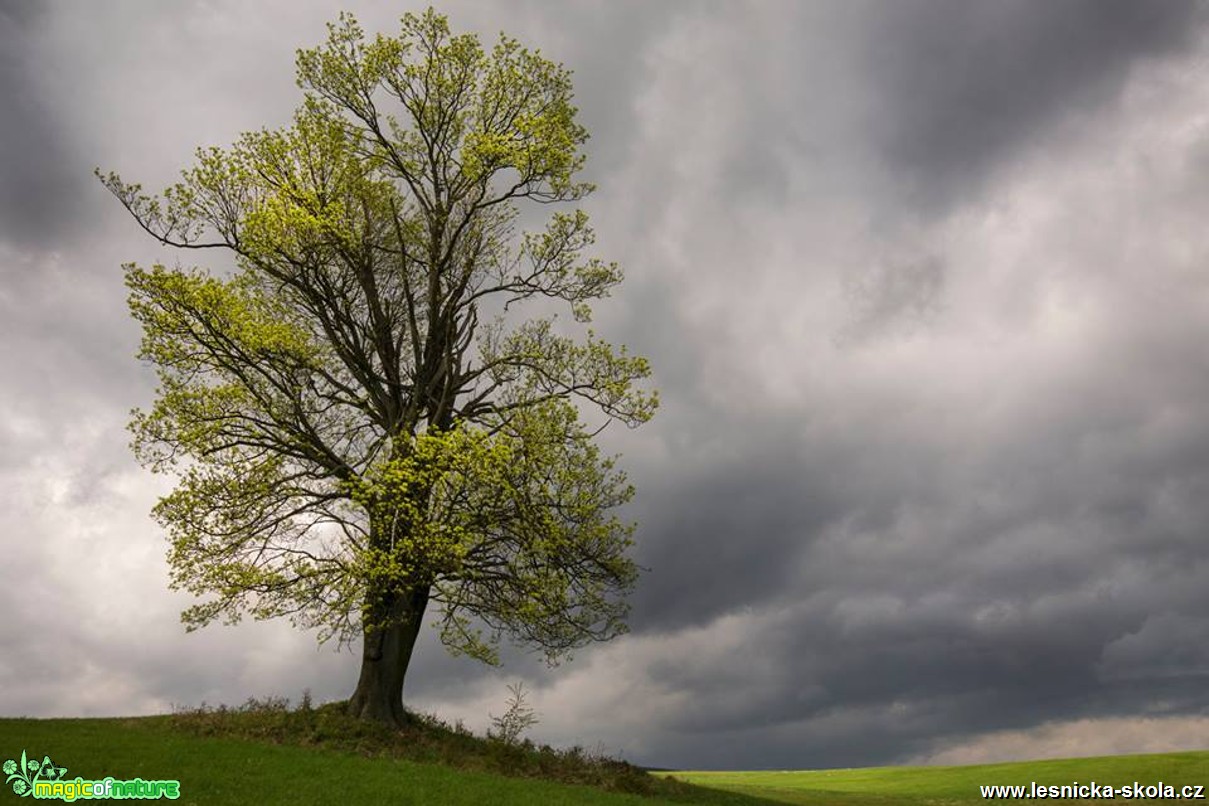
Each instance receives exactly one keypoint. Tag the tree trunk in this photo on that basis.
(386, 655)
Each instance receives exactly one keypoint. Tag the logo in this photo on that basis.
(45, 780)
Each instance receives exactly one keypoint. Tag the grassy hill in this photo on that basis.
(265, 753)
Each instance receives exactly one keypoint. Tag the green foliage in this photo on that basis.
(342, 428)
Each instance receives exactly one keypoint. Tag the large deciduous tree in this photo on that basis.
(352, 444)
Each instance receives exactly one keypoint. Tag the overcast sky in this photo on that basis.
(925, 285)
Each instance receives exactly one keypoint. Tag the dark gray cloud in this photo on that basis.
(726, 533)
(964, 606)
(40, 178)
(895, 296)
(922, 287)
(963, 86)
(20, 12)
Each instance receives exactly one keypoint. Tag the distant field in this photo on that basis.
(960, 785)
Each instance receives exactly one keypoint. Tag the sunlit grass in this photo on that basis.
(876, 786)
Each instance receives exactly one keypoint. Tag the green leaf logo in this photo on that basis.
(23, 774)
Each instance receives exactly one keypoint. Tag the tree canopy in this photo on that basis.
(351, 442)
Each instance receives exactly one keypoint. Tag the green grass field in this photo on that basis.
(273, 755)
(320, 757)
(879, 786)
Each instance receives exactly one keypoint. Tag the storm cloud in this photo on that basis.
(925, 286)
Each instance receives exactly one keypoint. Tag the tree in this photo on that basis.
(351, 445)
(510, 725)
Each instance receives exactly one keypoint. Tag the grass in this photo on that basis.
(938, 786)
(263, 752)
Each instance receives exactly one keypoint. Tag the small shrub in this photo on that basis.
(519, 717)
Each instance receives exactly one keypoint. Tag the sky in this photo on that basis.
(925, 288)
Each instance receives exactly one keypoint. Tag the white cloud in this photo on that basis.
(1081, 738)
